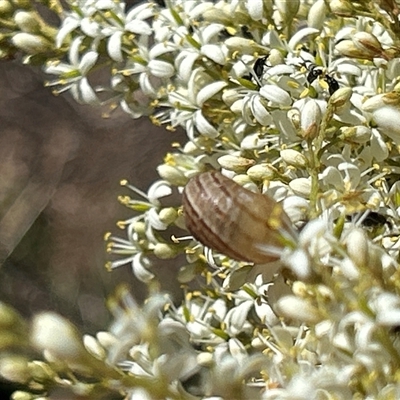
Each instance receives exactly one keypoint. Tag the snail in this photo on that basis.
(234, 221)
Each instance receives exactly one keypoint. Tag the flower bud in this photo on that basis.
(172, 174)
(230, 96)
(235, 163)
(349, 49)
(357, 134)
(310, 119)
(205, 359)
(41, 372)
(55, 334)
(261, 172)
(317, 14)
(357, 247)
(9, 318)
(31, 44)
(342, 8)
(20, 395)
(168, 215)
(340, 97)
(164, 251)
(298, 309)
(275, 57)
(368, 43)
(14, 369)
(139, 227)
(243, 46)
(28, 21)
(6, 8)
(245, 181)
(301, 187)
(293, 157)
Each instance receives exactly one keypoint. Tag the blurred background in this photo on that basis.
(60, 168)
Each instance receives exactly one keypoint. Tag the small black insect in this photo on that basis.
(333, 84)
(259, 66)
(258, 70)
(314, 73)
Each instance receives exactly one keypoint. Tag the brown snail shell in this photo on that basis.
(232, 220)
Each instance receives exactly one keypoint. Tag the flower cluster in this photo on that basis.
(298, 100)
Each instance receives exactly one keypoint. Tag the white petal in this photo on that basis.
(184, 63)
(69, 24)
(276, 95)
(73, 53)
(87, 62)
(209, 91)
(300, 35)
(83, 93)
(260, 113)
(296, 308)
(158, 190)
(387, 118)
(161, 69)
(255, 9)
(214, 52)
(139, 264)
(161, 48)
(154, 220)
(114, 47)
(203, 126)
(146, 85)
(90, 28)
(139, 27)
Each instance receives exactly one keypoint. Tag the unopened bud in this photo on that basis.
(31, 44)
(310, 119)
(342, 8)
(55, 334)
(20, 395)
(243, 46)
(6, 8)
(235, 163)
(357, 134)
(293, 157)
(164, 251)
(357, 247)
(317, 14)
(28, 21)
(41, 372)
(230, 96)
(276, 57)
(261, 172)
(298, 309)
(340, 97)
(349, 49)
(368, 43)
(168, 215)
(14, 369)
(172, 174)
(301, 187)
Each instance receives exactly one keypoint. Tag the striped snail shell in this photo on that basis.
(232, 220)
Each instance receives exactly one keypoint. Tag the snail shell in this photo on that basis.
(232, 220)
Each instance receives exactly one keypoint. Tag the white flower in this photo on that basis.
(73, 76)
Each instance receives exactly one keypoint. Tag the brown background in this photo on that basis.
(60, 167)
